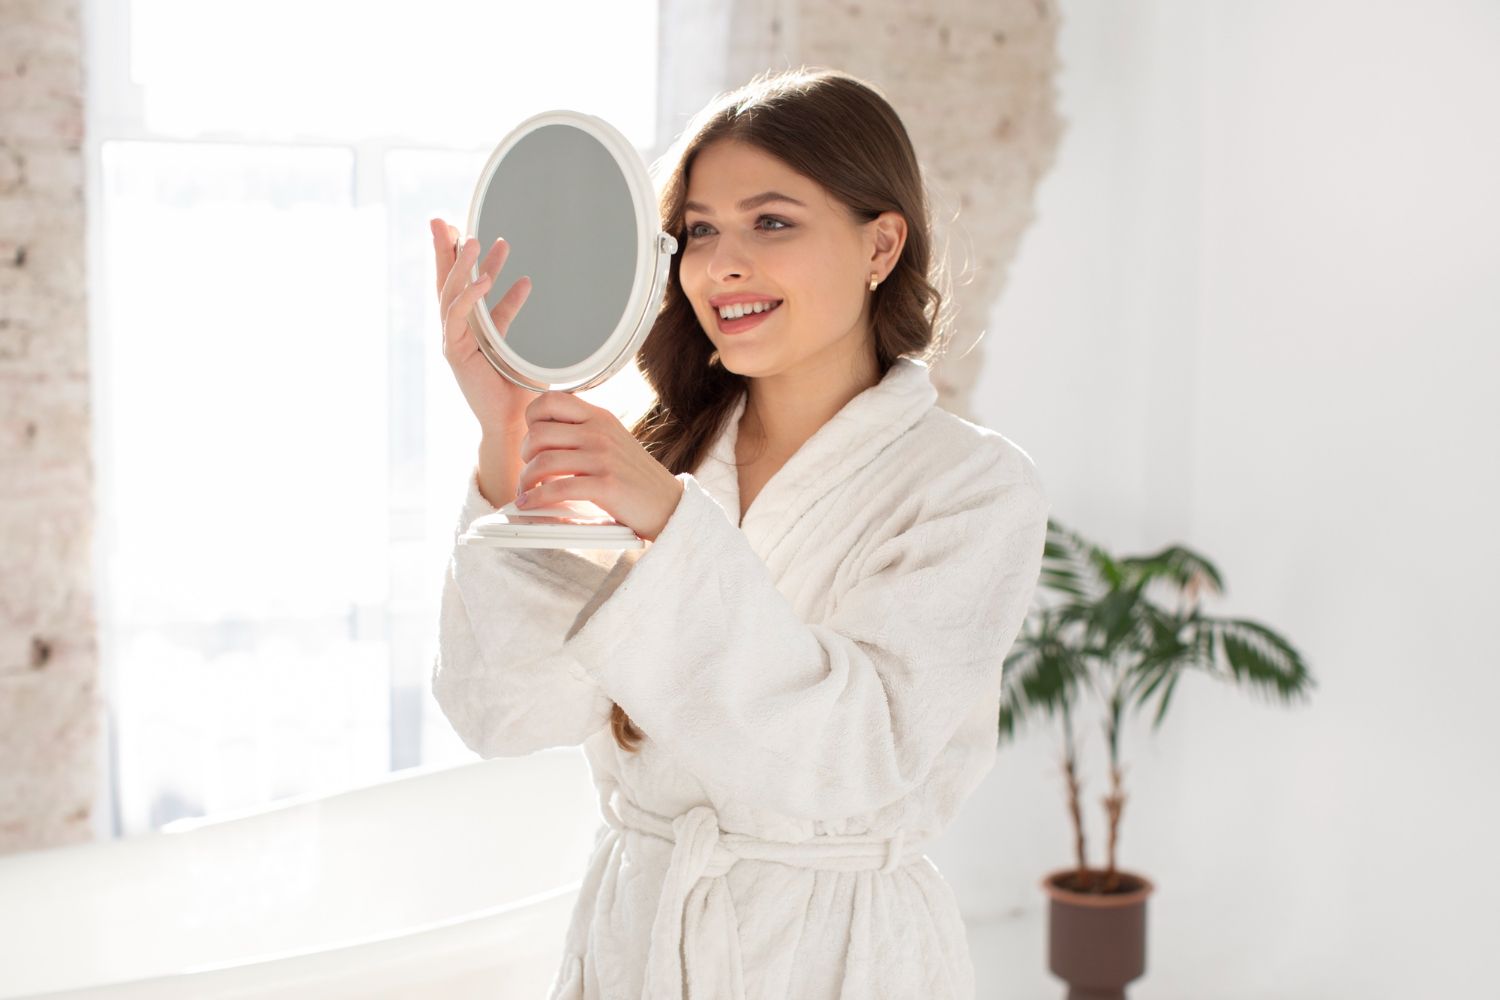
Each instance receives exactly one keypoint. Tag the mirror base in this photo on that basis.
(556, 527)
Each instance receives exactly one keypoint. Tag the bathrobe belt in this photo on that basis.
(701, 850)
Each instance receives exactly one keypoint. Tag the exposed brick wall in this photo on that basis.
(49, 704)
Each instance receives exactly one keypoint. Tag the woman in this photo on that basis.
(792, 687)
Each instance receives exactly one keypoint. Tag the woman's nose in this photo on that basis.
(728, 261)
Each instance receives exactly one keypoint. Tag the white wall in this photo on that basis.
(1258, 315)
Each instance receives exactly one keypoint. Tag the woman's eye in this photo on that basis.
(781, 224)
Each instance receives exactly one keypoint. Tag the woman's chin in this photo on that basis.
(742, 362)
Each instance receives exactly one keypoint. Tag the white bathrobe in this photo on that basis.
(818, 679)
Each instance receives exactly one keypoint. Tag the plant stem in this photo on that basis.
(1114, 802)
(1114, 807)
(1075, 809)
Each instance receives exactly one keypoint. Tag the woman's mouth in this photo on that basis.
(745, 322)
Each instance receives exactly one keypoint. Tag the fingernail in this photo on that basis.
(521, 500)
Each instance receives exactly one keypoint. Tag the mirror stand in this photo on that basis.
(570, 191)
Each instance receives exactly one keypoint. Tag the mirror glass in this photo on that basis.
(560, 199)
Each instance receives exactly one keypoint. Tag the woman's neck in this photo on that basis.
(785, 409)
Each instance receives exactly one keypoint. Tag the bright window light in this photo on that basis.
(281, 448)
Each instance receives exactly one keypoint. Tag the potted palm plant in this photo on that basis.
(1125, 630)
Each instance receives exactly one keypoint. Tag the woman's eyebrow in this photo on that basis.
(747, 204)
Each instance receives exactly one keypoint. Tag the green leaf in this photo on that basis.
(1260, 658)
(1166, 697)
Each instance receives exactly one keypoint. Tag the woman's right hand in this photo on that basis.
(498, 402)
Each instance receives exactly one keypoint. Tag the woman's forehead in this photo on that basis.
(726, 174)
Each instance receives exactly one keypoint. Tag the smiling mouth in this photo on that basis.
(734, 319)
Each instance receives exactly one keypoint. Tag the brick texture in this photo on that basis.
(49, 702)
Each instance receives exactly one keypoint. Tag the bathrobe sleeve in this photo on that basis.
(818, 719)
(501, 674)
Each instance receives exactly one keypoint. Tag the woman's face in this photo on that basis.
(811, 257)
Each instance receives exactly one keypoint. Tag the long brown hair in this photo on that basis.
(842, 133)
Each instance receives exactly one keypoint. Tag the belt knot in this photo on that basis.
(700, 849)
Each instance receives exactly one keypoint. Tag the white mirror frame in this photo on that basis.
(653, 260)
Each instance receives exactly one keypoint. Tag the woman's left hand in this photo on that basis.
(574, 450)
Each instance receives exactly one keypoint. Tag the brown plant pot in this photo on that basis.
(1096, 941)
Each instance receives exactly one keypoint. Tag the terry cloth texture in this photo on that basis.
(819, 686)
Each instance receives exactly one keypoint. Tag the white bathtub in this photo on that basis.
(432, 883)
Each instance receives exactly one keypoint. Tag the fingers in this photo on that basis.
(459, 309)
(546, 435)
(495, 259)
(510, 303)
(457, 294)
(554, 464)
(443, 251)
(505, 310)
(560, 406)
(458, 276)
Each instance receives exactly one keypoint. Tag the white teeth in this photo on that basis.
(735, 312)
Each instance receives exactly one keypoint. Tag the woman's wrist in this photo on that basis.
(499, 464)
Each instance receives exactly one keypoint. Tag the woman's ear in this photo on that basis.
(887, 235)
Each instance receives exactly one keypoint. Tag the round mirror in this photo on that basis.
(572, 198)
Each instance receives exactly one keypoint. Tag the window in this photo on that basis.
(280, 447)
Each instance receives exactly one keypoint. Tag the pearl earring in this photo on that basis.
(873, 282)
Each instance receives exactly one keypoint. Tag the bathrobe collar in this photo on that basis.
(846, 443)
